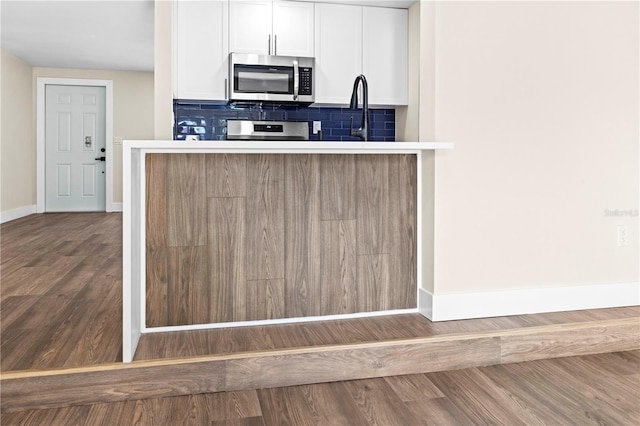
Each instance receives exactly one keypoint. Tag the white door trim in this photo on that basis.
(40, 133)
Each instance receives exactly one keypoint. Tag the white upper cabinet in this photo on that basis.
(271, 27)
(250, 26)
(353, 40)
(384, 54)
(293, 28)
(200, 54)
(338, 47)
(346, 40)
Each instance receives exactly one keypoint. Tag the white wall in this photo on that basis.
(542, 102)
(133, 108)
(17, 146)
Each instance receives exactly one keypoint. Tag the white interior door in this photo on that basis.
(75, 145)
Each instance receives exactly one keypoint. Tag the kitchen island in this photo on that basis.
(222, 234)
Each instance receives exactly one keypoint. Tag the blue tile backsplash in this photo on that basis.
(209, 121)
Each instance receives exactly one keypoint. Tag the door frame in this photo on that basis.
(41, 83)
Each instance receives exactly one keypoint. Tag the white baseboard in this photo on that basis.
(456, 306)
(14, 214)
(115, 207)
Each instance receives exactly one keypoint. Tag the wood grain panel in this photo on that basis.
(187, 286)
(337, 187)
(226, 259)
(338, 291)
(186, 201)
(284, 199)
(156, 201)
(177, 290)
(372, 204)
(374, 286)
(302, 206)
(157, 270)
(265, 299)
(403, 231)
(226, 175)
(265, 217)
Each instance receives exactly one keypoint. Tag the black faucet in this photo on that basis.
(364, 132)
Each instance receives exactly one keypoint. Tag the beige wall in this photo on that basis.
(407, 118)
(133, 108)
(17, 145)
(163, 90)
(541, 100)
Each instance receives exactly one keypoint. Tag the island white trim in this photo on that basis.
(286, 147)
(134, 232)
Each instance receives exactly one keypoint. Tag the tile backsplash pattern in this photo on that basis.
(209, 121)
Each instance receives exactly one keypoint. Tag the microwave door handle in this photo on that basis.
(296, 80)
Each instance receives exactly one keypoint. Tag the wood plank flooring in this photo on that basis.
(61, 291)
(602, 389)
(61, 324)
(375, 329)
(59, 268)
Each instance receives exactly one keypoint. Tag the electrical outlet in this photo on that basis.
(317, 126)
(623, 235)
(117, 140)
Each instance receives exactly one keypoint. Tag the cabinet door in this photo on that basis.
(384, 54)
(250, 26)
(338, 47)
(293, 28)
(201, 52)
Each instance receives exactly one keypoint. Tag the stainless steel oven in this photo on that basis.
(249, 130)
(266, 78)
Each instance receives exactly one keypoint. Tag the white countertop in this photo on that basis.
(284, 146)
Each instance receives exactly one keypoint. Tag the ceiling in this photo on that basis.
(93, 34)
(112, 34)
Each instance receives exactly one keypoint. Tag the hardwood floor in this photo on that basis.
(601, 389)
(60, 311)
(61, 291)
(363, 330)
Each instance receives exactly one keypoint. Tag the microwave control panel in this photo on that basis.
(305, 81)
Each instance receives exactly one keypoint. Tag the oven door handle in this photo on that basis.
(296, 80)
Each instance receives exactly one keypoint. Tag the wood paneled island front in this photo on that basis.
(238, 233)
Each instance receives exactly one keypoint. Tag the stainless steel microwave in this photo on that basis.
(265, 78)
